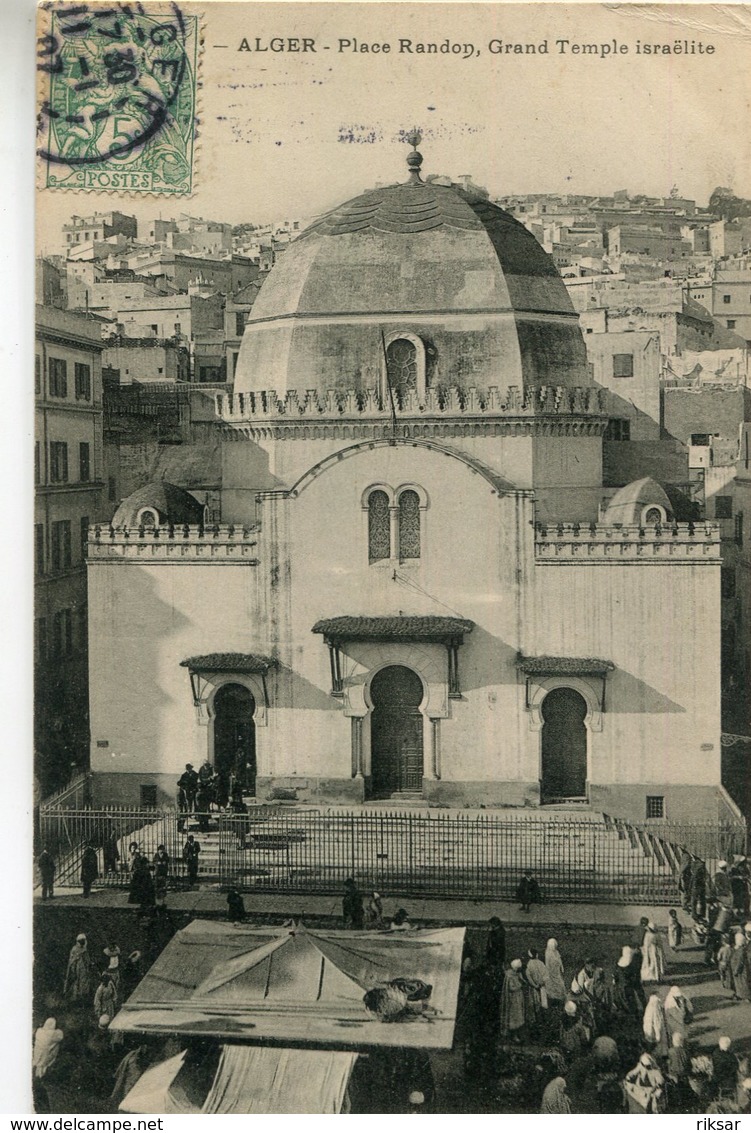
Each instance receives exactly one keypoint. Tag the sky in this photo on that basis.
(291, 134)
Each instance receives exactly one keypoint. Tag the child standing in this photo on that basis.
(724, 953)
(675, 929)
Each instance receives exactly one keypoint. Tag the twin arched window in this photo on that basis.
(398, 538)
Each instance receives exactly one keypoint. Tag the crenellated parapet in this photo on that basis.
(565, 543)
(184, 543)
(576, 411)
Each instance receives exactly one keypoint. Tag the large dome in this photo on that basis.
(431, 264)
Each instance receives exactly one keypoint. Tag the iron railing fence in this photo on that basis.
(573, 858)
(587, 858)
(66, 832)
(75, 795)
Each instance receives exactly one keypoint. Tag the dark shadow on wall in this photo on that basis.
(629, 695)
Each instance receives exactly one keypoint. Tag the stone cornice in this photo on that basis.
(350, 414)
(222, 544)
(566, 544)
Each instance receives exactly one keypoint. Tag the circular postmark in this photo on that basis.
(121, 84)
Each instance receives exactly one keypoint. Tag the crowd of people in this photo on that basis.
(586, 1040)
(564, 1032)
(74, 1055)
(206, 790)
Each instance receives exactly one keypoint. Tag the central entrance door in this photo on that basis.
(564, 746)
(396, 727)
(235, 736)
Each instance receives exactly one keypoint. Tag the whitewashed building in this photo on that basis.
(411, 592)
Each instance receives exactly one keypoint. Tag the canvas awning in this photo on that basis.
(296, 985)
(249, 1080)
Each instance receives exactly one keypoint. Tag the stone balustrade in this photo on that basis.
(611, 543)
(370, 404)
(218, 543)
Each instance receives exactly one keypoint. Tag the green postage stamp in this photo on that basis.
(118, 86)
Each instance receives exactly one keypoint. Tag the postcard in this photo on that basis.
(392, 546)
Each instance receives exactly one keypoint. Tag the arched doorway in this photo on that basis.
(564, 745)
(396, 731)
(235, 736)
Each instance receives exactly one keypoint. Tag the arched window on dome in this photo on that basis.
(147, 517)
(409, 525)
(379, 526)
(652, 515)
(405, 368)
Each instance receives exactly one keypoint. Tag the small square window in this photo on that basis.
(726, 298)
(731, 324)
(148, 794)
(655, 806)
(723, 507)
(623, 365)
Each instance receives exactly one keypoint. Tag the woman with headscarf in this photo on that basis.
(47, 1041)
(653, 957)
(554, 1097)
(679, 1011)
(536, 980)
(105, 997)
(554, 967)
(739, 968)
(655, 1026)
(575, 1036)
(645, 1087)
(78, 973)
(512, 1013)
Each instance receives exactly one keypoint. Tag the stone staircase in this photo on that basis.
(406, 846)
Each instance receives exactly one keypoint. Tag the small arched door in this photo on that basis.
(396, 740)
(235, 736)
(564, 746)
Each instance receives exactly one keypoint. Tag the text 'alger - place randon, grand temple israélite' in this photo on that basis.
(417, 587)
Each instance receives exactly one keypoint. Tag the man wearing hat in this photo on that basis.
(112, 952)
(188, 785)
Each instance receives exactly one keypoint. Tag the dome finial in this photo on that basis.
(414, 159)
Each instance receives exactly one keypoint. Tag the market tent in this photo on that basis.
(249, 1080)
(296, 984)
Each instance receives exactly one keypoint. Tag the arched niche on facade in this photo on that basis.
(590, 690)
(212, 682)
(429, 662)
